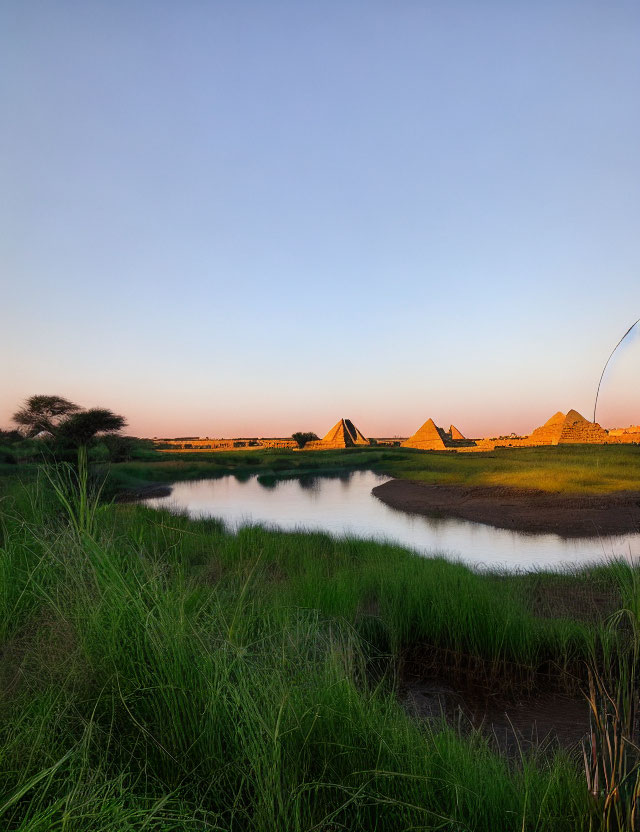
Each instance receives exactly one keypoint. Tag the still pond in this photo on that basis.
(345, 506)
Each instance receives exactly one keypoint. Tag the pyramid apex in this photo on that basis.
(574, 416)
(427, 437)
(556, 418)
(343, 434)
(455, 433)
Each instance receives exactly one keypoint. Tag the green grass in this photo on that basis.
(167, 675)
(570, 468)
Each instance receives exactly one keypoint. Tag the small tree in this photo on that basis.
(69, 423)
(43, 414)
(80, 429)
(303, 437)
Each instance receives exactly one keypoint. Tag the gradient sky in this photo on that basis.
(223, 218)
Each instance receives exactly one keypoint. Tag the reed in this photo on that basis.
(79, 495)
(612, 751)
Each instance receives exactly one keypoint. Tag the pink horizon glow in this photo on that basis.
(478, 401)
(472, 426)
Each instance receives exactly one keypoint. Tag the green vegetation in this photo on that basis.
(302, 437)
(161, 673)
(571, 468)
(52, 428)
(589, 469)
(137, 475)
(136, 464)
(164, 674)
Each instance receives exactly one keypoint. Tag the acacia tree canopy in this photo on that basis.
(80, 428)
(65, 420)
(43, 414)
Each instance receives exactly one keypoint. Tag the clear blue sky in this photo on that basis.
(224, 218)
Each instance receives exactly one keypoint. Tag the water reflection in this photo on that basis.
(343, 505)
(310, 484)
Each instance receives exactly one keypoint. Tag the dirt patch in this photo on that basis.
(515, 726)
(541, 512)
(520, 708)
(481, 677)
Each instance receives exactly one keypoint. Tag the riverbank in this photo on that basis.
(570, 469)
(571, 491)
(522, 510)
(563, 469)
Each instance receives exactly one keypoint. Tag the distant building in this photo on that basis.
(565, 430)
(429, 437)
(344, 434)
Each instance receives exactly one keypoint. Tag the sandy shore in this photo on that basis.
(568, 515)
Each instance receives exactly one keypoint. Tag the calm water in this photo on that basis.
(345, 506)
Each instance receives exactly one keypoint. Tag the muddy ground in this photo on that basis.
(567, 515)
(515, 725)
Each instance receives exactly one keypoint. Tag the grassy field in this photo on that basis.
(164, 674)
(588, 469)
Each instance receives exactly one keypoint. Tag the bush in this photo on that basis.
(302, 437)
(7, 456)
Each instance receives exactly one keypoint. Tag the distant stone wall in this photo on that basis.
(389, 442)
(248, 443)
(326, 445)
(511, 442)
(625, 435)
(278, 443)
(198, 444)
(624, 438)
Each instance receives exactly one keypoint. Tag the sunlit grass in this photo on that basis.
(569, 469)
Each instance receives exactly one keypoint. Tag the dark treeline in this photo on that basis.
(52, 427)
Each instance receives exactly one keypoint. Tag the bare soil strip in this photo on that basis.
(540, 512)
(545, 720)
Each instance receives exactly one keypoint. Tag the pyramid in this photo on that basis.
(578, 429)
(428, 438)
(455, 433)
(549, 433)
(570, 429)
(556, 419)
(344, 434)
